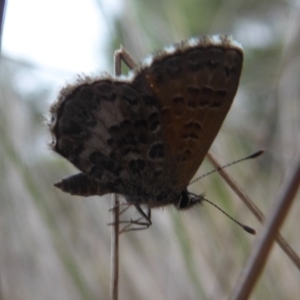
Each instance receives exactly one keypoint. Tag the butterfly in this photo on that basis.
(144, 136)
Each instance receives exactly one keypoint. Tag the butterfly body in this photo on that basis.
(145, 136)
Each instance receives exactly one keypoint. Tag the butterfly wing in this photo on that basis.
(110, 130)
(195, 87)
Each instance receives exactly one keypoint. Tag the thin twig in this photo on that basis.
(254, 209)
(119, 56)
(261, 250)
(125, 56)
(114, 284)
(115, 249)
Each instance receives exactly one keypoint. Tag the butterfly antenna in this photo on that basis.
(245, 227)
(254, 155)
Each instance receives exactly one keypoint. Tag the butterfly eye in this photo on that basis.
(184, 201)
(187, 200)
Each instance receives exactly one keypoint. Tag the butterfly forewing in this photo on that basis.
(195, 87)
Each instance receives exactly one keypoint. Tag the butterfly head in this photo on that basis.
(188, 200)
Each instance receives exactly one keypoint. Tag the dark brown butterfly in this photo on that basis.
(144, 136)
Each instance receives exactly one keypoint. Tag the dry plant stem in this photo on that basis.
(115, 249)
(125, 56)
(119, 55)
(262, 248)
(255, 210)
(114, 285)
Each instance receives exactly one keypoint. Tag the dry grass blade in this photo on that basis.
(255, 210)
(264, 244)
(115, 248)
(115, 218)
(119, 56)
(124, 56)
(2, 14)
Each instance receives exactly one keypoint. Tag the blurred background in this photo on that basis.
(55, 246)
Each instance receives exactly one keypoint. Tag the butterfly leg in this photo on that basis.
(147, 218)
(142, 222)
(127, 205)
